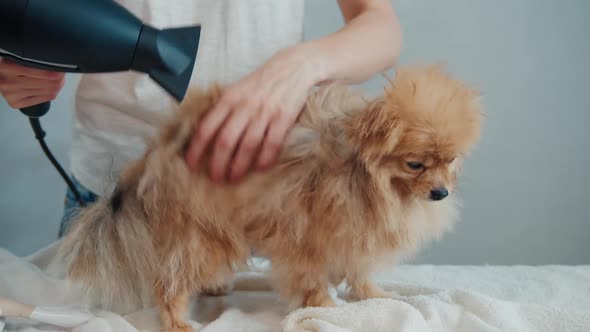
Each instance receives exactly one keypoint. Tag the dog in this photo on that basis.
(360, 182)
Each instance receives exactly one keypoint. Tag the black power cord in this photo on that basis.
(40, 135)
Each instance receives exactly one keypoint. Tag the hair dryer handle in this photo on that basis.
(36, 111)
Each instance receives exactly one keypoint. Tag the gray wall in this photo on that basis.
(524, 188)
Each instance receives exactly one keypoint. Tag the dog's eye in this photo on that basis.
(451, 160)
(415, 165)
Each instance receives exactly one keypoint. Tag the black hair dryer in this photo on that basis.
(93, 36)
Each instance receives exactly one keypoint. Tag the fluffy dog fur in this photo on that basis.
(351, 191)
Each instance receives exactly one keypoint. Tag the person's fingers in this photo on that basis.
(205, 131)
(273, 141)
(10, 68)
(27, 83)
(30, 101)
(249, 146)
(21, 94)
(226, 143)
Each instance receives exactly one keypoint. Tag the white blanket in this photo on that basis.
(430, 298)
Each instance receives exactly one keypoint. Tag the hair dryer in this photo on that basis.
(93, 36)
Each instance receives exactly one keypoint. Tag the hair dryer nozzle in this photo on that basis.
(168, 56)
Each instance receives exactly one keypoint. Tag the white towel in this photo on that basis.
(444, 311)
(432, 298)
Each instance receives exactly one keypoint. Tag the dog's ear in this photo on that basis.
(378, 129)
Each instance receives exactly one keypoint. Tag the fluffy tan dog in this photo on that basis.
(359, 183)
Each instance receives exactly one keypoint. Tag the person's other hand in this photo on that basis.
(22, 86)
(248, 125)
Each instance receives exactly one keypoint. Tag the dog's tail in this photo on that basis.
(109, 249)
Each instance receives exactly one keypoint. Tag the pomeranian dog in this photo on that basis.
(359, 183)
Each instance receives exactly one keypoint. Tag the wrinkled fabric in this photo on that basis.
(427, 298)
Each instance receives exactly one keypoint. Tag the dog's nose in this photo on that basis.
(438, 194)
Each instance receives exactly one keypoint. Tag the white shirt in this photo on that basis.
(115, 112)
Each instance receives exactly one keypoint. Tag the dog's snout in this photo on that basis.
(438, 194)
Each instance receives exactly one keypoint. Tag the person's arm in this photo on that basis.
(369, 43)
(248, 125)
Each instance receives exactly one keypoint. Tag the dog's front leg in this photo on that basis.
(365, 288)
(302, 281)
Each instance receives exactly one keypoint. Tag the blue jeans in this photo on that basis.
(71, 205)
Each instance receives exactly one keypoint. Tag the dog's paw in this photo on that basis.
(369, 290)
(181, 327)
(324, 302)
(218, 291)
(382, 294)
(320, 299)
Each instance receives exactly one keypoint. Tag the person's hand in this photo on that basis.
(22, 86)
(248, 125)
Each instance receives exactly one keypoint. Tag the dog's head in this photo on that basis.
(417, 134)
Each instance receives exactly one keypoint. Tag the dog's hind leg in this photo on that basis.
(173, 308)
